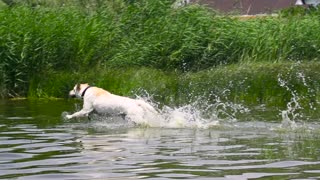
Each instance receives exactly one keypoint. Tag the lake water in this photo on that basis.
(36, 143)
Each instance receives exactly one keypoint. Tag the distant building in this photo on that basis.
(252, 7)
(308, 2)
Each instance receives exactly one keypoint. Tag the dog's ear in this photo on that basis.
(78, 87)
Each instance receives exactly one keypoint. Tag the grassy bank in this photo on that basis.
(273, 84)
(176, 54)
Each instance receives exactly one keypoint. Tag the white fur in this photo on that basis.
(103, 102)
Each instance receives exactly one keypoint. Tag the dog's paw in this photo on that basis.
(69, 117)
(65, 116)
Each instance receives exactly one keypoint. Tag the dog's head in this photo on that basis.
(77, 91)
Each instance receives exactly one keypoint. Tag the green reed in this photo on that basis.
(45, 49)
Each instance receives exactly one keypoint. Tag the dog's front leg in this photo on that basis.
(87, 108)
(81, 113)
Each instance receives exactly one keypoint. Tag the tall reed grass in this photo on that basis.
(57, 40)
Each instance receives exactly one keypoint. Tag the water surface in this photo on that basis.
(36, 143)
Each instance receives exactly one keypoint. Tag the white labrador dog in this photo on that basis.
(103, 102)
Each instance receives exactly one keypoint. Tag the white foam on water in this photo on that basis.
(186, 116)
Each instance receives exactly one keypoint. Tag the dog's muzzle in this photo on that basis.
(72, 96)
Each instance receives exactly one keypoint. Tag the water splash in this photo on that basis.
(292, 113)
(198, 114)
(186, 116)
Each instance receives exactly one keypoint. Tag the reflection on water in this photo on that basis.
(36, 144)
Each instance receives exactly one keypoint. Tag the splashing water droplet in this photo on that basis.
(291, 114)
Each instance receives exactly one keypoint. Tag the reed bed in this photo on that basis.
(151, 45)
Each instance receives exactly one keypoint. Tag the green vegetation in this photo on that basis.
(176, 54)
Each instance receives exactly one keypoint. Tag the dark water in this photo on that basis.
(35, 143)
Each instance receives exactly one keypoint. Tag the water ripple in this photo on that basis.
(28, 151)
